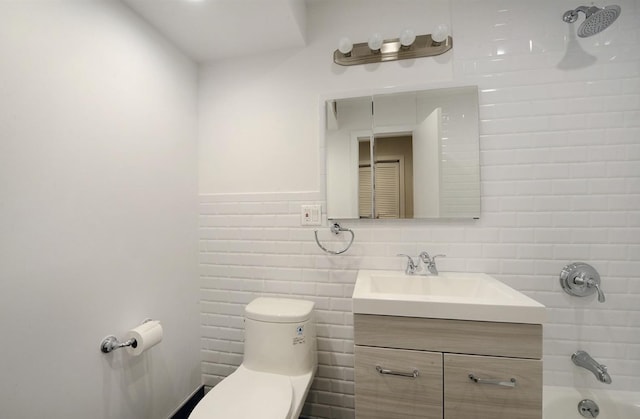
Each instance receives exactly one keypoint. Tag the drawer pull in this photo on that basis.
(510, 383)
(412, 374)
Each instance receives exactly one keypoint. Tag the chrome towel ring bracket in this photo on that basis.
(335, 229)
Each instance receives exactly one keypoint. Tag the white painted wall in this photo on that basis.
(252, 109)
(560, 169)
(97, 212)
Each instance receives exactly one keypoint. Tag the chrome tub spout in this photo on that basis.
(584, 360)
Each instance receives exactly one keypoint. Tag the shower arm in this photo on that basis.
(571, 16)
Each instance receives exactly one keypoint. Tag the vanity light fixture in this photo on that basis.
(345, 46)
(441, 33)
(375, 42)
(407, 38)
(407, 46)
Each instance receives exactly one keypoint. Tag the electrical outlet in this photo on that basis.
(311, 215)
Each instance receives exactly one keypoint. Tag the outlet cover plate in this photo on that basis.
(311, 215)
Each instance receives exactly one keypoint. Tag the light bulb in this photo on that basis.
(375, 42)
(345, 45)
(407, 37)
(441, 33)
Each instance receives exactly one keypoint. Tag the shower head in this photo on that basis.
(596, 19)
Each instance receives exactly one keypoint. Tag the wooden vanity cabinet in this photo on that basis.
(389, 396)
(446, 353)
(464, 398)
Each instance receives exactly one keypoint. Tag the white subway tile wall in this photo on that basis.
(560, 169)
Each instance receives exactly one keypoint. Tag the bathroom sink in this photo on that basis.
(449, 295)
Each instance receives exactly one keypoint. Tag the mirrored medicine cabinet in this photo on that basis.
(404, 155)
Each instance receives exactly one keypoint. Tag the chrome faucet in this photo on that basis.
(584, 360)
(430, 262)
(411, 267)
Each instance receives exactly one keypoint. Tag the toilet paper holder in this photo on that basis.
(111, 343)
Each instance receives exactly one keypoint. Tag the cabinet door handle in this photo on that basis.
(412, 374)
(510, 383)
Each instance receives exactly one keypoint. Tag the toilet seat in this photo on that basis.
(247, 394)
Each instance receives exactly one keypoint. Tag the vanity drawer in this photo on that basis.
(442, 335)
(387, 396)
(465, 398)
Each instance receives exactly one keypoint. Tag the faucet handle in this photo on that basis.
(424, 256)
(411, 265)
(592, 283)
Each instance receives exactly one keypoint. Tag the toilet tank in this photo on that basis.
(280, 336)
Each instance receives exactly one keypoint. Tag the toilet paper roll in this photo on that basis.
(146, 335)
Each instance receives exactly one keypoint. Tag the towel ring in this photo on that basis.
(336, 229)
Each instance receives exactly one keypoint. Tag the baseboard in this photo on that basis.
(188, 405)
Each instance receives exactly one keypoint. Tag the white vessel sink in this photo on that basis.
(449, 295)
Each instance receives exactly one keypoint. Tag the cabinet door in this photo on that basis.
(383, 395)
(492, 396)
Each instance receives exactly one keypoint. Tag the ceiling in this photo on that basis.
(208, 30)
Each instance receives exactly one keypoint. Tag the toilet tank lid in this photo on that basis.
(279, 310)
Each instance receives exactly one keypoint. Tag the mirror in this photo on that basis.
(404, 155)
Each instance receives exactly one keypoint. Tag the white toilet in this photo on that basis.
(279, 364)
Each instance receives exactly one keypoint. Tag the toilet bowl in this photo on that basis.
(279, 364)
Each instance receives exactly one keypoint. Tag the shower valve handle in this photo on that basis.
(580, 279)
(590, 283)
